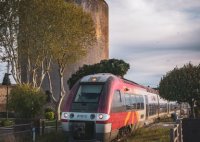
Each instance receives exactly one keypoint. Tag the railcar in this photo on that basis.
(103, 107)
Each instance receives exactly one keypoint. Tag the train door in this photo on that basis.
(147, 106)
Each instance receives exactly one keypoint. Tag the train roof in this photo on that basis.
(99, 77)
(103, 77)
(147, 88)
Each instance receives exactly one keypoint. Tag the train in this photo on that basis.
(104, 107)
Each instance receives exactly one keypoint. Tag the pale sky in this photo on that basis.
(154, 36)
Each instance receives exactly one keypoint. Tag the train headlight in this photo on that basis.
(71, 115)
(92, 116)
(100, 116)
(65, 115)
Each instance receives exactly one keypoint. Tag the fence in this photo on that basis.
(48, 126)
(176, 132)
(16, 133)
(28, 132)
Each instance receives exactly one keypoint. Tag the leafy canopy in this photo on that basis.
(8, 35)
(26, 101)
(72, 31)
(114, 66)
(181, 84)
(53, 30)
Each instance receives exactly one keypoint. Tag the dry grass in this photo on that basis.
(150, 135)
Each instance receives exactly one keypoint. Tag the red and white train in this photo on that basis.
(102, 107)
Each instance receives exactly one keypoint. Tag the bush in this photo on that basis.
(49, 115)
(26, 101)
(7, 122)
(48, 109)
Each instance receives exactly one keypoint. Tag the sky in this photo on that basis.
(154, 36)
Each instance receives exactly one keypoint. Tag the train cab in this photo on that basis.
(87, 110)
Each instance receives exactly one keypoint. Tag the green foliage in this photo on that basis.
(26, 101)
(181, 84)
(73, 32)
(8, 22)
(48, 109)
(6, 122)
(54, 27)
(49, 115)
(114, 66)
(53, 30)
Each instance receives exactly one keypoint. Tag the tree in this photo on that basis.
(34, 39)
(51, 30)
(26, 101)
(114, 66)
(66, 39)
(9, 24)
(73, 31)
(182, 85)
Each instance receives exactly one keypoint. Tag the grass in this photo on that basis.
(153, 134)
(141, 135)
(52, 137)
(150, 135)
(146, 134)
(52, 123)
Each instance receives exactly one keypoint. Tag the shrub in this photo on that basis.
(49, 115)
(48, 110)
(7, 122)
(26, 101)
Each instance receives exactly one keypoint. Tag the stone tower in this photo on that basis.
(99, 12)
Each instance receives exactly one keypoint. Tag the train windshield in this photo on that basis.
(88, 93)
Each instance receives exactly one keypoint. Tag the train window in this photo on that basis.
(117, 104)
(138, 102)
(128, 101)
(142, 102)
(133, 102)
(163, 108)
(88, 93)
(152, 109)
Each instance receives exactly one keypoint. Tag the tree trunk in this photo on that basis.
(62, 92)
(59, 106)
(192, 115)
(51, 88)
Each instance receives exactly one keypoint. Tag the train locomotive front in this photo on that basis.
(86, 111)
